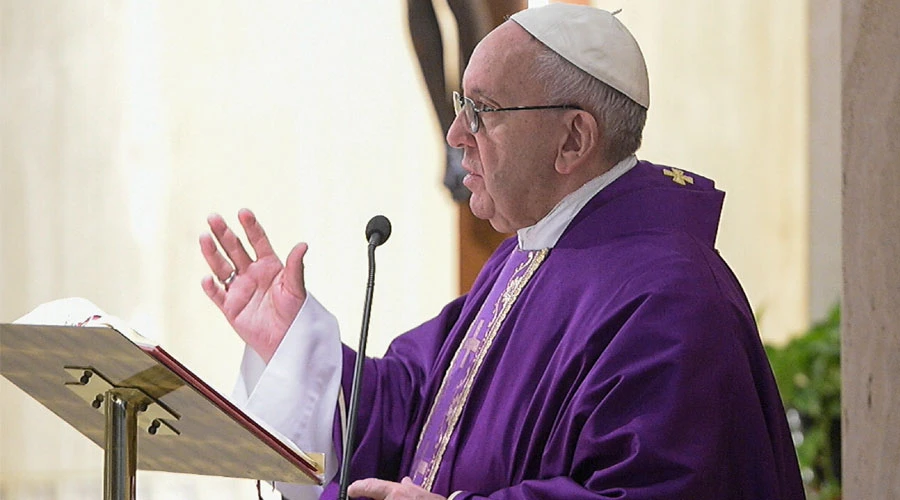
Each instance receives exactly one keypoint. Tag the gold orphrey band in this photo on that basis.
(501, 309)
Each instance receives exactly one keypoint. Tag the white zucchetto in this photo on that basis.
(595, 41)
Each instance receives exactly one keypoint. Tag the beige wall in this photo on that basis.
(825, 278)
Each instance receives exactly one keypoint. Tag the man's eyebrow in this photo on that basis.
(479, 94)
(474, 91)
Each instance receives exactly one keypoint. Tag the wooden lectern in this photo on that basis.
(124, 395)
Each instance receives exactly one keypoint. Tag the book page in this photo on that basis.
(78, 311)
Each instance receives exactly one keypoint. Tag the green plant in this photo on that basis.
(808, 372)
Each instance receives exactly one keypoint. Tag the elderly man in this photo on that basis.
(606, 351)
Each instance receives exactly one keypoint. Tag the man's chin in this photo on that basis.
(490, 215)
(479, 208)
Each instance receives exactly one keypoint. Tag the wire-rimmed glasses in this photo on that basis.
(462, 104)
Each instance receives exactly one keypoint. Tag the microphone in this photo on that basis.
(378, 230)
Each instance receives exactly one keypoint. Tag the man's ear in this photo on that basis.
(582, 142)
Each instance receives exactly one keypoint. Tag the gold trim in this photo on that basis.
(501, 309)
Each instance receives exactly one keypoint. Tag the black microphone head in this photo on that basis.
(378, 230)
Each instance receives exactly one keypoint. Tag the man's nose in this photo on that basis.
(458, 135)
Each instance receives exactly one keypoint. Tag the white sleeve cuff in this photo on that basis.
(296, 393)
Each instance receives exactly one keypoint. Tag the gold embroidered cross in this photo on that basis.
(678, 176)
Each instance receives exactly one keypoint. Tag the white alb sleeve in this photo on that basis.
(297, 392)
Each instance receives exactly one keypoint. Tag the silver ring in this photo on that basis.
(227, 281)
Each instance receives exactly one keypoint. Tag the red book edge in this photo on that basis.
(167, 360)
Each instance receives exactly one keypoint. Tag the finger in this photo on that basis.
(215, 292)
(376, 489)
(294, 280)
(255, 234)
(407, 481)
(220, 267)
(229, 241)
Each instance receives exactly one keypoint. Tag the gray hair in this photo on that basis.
(621, 119)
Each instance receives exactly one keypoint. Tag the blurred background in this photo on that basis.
(124, 123)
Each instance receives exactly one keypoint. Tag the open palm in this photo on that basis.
(264, 296)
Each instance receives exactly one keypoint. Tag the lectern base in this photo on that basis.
(120, 455)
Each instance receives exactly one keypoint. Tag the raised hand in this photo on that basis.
(260, 298)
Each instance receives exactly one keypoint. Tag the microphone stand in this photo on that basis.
(357, 372)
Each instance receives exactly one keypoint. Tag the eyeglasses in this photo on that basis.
(467, 106)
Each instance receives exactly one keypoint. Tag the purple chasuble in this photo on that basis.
(630, 367)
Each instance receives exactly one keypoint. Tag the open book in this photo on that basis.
(196, 430)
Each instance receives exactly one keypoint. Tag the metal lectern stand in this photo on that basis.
(121, 394)
(126, 409)
(120, 456)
